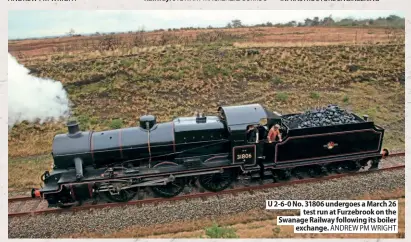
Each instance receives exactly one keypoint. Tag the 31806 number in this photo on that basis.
(244, 156)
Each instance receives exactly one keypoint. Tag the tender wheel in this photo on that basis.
(374, 163)
(285, 174)
(172, 188)
(217, 182)
(352, 166)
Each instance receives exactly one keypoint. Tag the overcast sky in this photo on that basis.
(34, 23)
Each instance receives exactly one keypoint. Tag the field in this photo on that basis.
(268, 36)
(113, 80)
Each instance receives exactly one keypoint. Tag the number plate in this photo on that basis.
(244, 154)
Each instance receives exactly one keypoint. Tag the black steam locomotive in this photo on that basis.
(213, 150)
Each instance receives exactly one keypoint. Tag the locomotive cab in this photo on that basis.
(246, 148)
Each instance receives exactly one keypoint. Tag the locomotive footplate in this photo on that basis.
(93, 175)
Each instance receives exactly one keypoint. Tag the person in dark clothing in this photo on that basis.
(251, 134)
(262, 132)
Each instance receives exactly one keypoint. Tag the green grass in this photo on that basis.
(346, 99)
(276, 80)
(281, 96)
(315, 95)
(216, 231)
(116, 124)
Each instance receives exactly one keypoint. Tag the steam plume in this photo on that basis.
(33, 99)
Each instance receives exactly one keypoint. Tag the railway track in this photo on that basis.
(26, 205)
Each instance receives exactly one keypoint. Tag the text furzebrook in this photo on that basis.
(355, 212)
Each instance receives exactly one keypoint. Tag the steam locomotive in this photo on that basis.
(212, 150)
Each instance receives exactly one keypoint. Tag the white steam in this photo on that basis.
(33, 99)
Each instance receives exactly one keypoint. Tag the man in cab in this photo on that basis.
(274, 134)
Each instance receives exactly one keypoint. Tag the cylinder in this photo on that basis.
(79, 168)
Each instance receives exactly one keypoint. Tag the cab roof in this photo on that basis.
(245, 114)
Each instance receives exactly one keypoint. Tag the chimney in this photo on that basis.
(73, 127)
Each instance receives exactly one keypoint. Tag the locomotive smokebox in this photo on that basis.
(73, 127)
(147, 121)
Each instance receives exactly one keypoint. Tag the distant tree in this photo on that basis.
(393, 18)
(316, 21)
(345, 22)
(327, 21)
(308, 22)
(229, 25)
(236, 23)
(269, 24)
(289, 24)
(141, 29)
(71, 32)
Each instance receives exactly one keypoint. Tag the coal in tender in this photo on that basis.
(331, 115)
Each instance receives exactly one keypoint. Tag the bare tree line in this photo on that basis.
(141, 39)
